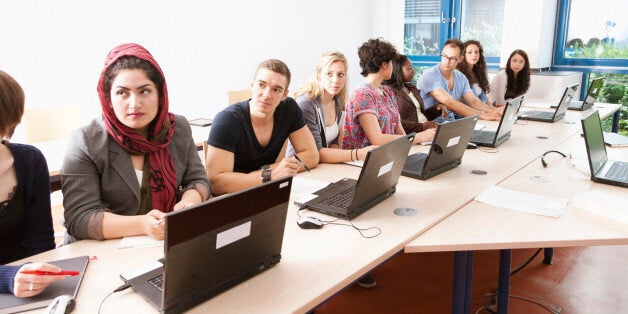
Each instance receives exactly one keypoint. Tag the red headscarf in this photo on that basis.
(163, 180)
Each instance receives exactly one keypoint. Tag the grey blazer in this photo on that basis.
(98, 176)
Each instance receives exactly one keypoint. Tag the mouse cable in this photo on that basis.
(360, 230)
(118, 289)
(334, 222)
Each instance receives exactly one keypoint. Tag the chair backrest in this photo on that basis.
(234, 96)
(51, 123)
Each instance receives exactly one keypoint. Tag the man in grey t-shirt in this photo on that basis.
(443, 84)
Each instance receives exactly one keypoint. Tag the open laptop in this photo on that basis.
(215, 245)
(603, 170)
(506, 123)
(549, 116)
(348, 198)
(448, 146)
(590, 98)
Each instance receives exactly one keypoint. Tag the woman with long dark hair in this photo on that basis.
(473, 66)
(512, 82)
(127, 168)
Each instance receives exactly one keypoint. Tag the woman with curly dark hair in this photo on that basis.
(512, 82)
(409, 101)
(371, 112)
(473, 66)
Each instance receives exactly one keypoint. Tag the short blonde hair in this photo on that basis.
(11, 104)
(313, 87)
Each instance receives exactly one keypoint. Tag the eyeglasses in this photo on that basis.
(454, 59)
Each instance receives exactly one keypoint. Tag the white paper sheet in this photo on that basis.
(604, 204)
(524, 202)
(303, 189)
(141, 241)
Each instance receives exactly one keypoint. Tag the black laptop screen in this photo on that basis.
(594, 140)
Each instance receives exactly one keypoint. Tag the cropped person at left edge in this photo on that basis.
(124, 171)
(247, 137)
(25, 217)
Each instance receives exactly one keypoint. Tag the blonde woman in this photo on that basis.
(322, 100)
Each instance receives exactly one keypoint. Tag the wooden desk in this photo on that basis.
(478, 226)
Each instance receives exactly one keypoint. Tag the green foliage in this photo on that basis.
(418, 47)
(600, 50)
(490, 36)
(615, 93)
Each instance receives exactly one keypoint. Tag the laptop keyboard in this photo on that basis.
(157, 282)
(482, 137)
(618, 171)
(342, 199)
(538, 114)
(415, 163)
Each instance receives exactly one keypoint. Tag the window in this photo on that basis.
(592, 33)
(422, 27)
(483, 21)
(429, 23)
(592, 37)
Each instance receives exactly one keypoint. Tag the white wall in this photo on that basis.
(56, 49)
(529, 25)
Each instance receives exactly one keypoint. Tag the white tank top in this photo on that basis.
(331, 132)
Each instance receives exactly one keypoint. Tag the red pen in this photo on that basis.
(50, 273)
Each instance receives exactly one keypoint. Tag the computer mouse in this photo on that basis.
(61, 305)
(307, 222)
(471, 146)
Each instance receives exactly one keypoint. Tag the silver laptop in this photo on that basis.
(557, 114)
(446, 151)
(215, 245)
(506, 123)
(594, 90)
(603, 170)
(378, 179)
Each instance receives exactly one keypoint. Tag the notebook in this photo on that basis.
(506, 123)
(448, 146)
(590, 98)
(603, 170)
(348, 198)
(216, 245)
(549, 116)
(70, 285)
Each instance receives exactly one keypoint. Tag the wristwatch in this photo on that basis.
(266, 173)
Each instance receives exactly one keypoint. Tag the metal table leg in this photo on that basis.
(505, 258)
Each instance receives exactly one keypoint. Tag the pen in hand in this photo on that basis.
(50, 273)
(158, 222)
(302, 163)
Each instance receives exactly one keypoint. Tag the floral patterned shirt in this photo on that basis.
(366, 99)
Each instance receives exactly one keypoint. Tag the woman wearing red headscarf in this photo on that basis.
(124, 171)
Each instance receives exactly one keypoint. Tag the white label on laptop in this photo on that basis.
(385, 169)
(453, 141)
(234, 234)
